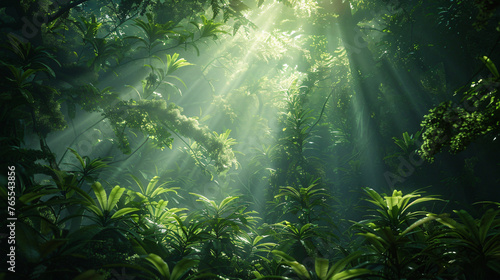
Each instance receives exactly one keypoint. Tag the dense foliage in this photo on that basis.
(250, 139)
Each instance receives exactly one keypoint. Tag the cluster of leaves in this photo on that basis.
(36, 97)
(25, 70)
(133, 229)
(158, 120)
(294, 166)
(456, 126)
(486, 9)
(414, 244)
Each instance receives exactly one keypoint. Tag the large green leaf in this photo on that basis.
(340, 265)
(321, 267)
(298, 268)
(181, 268)
(351, 273)
(485, 224)
(123, 211)
(491, 66)
(77, 155)
(96, 210)
(100, 194)
(151, 185)
(160, 265)
(114, 197)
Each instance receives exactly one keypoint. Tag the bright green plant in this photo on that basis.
(253, 252)
(88, 169)
(46, 242)
(159, 75)
(227, 217)
(159, 213)
(209, 28)
(475, 244)
(153, 33)
(394, 210)
(223, 223)
(322, 269)
(394, 235)
(405, 254)
(296, 238)
(305, 203)
(187, 234)
(104, 209)
(152, 190)
(251, 245)
(101, 49)
(88, 28)
(179, 270)
(407, 143)
(28, 56)
(158, 221)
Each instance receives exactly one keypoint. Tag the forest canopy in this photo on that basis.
(241, 139)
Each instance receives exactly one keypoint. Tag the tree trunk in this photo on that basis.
(367, 86)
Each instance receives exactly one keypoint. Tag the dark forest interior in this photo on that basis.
(250, 139)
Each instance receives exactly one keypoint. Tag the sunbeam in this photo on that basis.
(250, 139)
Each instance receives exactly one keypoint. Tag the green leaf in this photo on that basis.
(181, 268)
(159, 264)
(378, 200)
(469, 223)
(114, 197)
(123, 212)
(420, 200)
(351, 273)
(138, 247)
(96, 210)
(485, 224)
(28, 197)
(283, 255)
(151, 185)
(206, 200)
(100, 194)
(178, 79)
(340, 265)
(298, 268)
(321, 267)
(420, 222)
(139, 183)
(77, 155)
(173, 63)
(226, 203)
(491, 66)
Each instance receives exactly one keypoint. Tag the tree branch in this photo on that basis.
(65, 9)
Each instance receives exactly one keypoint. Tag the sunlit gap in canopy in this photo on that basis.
(135, 72)
(264, 18)
(236, 75)
(366, 144)
(264, 21)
